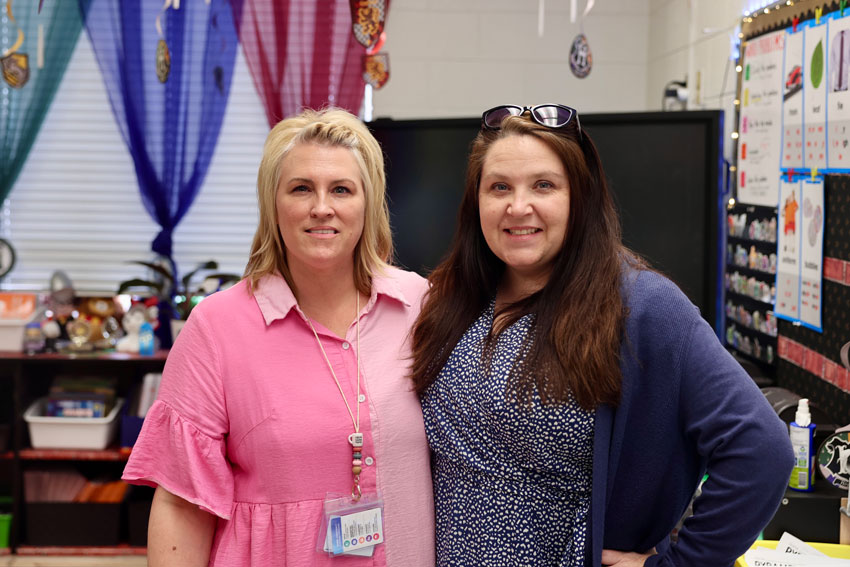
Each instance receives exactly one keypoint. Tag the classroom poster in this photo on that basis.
(811, 252)
(814, 96)
(838, 95)
(788, 251)
(760, 131)
(792, 102)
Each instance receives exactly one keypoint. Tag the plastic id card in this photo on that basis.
(351, 527)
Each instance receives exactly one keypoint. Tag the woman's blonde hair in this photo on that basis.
(330, 127)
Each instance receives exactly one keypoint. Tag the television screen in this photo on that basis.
(663, 168)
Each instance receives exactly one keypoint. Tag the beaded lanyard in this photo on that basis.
(356, 463)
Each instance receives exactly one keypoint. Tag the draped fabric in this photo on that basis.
(301, 54)
(22, 109)
(170, 128)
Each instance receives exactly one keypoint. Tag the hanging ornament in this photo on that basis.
(376, 69)
(163, 55)
(581, 59)
(367, 19)
(163, 61)
(16, 68)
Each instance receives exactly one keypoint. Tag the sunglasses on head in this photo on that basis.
(549, 115)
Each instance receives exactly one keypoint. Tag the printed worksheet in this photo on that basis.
(814, 95)
(760, 131)
(792, 101)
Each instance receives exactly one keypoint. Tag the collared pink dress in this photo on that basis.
(250, 425)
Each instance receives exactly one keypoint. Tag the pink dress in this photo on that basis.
(250, 425)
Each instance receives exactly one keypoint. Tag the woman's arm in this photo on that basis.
(179, 532)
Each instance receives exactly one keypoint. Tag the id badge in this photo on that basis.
(351, 527)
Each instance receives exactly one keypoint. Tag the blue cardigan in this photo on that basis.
(686, 407)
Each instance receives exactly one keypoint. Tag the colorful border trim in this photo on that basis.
(813, 362)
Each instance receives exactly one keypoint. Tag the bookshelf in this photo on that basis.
(27, 378)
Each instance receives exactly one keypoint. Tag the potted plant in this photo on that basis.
(177, 298)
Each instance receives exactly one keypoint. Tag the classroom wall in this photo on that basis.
(452, 58)
(449, 58)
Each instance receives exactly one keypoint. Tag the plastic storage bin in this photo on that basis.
(5, 526)
(70, 432)
(12, 334)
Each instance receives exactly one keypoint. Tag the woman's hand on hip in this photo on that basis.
(624, 558)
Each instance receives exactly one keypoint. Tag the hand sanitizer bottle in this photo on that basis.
(802, 432)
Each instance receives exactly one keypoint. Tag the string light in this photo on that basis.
(736, 102)
(734, 135)
(738, 68)
(731, 202)
(732, 168)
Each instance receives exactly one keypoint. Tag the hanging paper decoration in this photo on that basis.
(367, 18)
(16, 68)
(581, 59)
(163, 55)
(163, 61)
(376, 69)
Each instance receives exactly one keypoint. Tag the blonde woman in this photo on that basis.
(287, 392)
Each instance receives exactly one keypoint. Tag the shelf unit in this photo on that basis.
(750, 227)
(27, 378)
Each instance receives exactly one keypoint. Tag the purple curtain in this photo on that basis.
(170, 127)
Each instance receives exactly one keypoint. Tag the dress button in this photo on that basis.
(369, 461)
(361, 398)
(345, 345)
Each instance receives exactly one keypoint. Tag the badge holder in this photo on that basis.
(351, 527)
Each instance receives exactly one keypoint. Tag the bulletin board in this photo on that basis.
(793, 160)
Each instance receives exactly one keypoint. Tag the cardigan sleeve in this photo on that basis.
(746, 448)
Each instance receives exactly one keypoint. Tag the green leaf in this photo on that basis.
(208, 265)
(156, 268)
(817, 65)
(155, 287)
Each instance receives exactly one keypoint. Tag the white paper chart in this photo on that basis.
(792, 102)
(788, 251)
(811, 251)
(814, 95)
(838, 95)
(761, 114)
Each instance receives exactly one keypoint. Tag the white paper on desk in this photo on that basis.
(765, 557)
(791, 544)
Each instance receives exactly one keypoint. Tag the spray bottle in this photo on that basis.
(802, 432)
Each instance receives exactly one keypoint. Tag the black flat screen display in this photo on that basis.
(664, 169)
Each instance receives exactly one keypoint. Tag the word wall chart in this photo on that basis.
(794, 127)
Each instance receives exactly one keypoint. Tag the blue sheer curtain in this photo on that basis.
(171, 128)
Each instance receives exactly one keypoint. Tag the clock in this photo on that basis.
(7, 257)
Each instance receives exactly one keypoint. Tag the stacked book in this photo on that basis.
(74, 396)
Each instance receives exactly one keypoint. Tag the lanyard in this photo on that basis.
(356, 439)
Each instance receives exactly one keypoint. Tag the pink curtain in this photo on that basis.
(301, 54)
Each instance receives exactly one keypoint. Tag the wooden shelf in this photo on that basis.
(749, 298)
(80, 551)
(111, 454)
(102, 355)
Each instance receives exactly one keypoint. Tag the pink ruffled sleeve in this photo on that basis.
(182, 444)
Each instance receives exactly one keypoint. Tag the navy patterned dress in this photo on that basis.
(511, 480)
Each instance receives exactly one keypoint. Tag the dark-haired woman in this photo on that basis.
(574, 398)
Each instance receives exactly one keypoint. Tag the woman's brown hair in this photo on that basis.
(574, 346)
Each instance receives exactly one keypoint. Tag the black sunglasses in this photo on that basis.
(549, 115)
